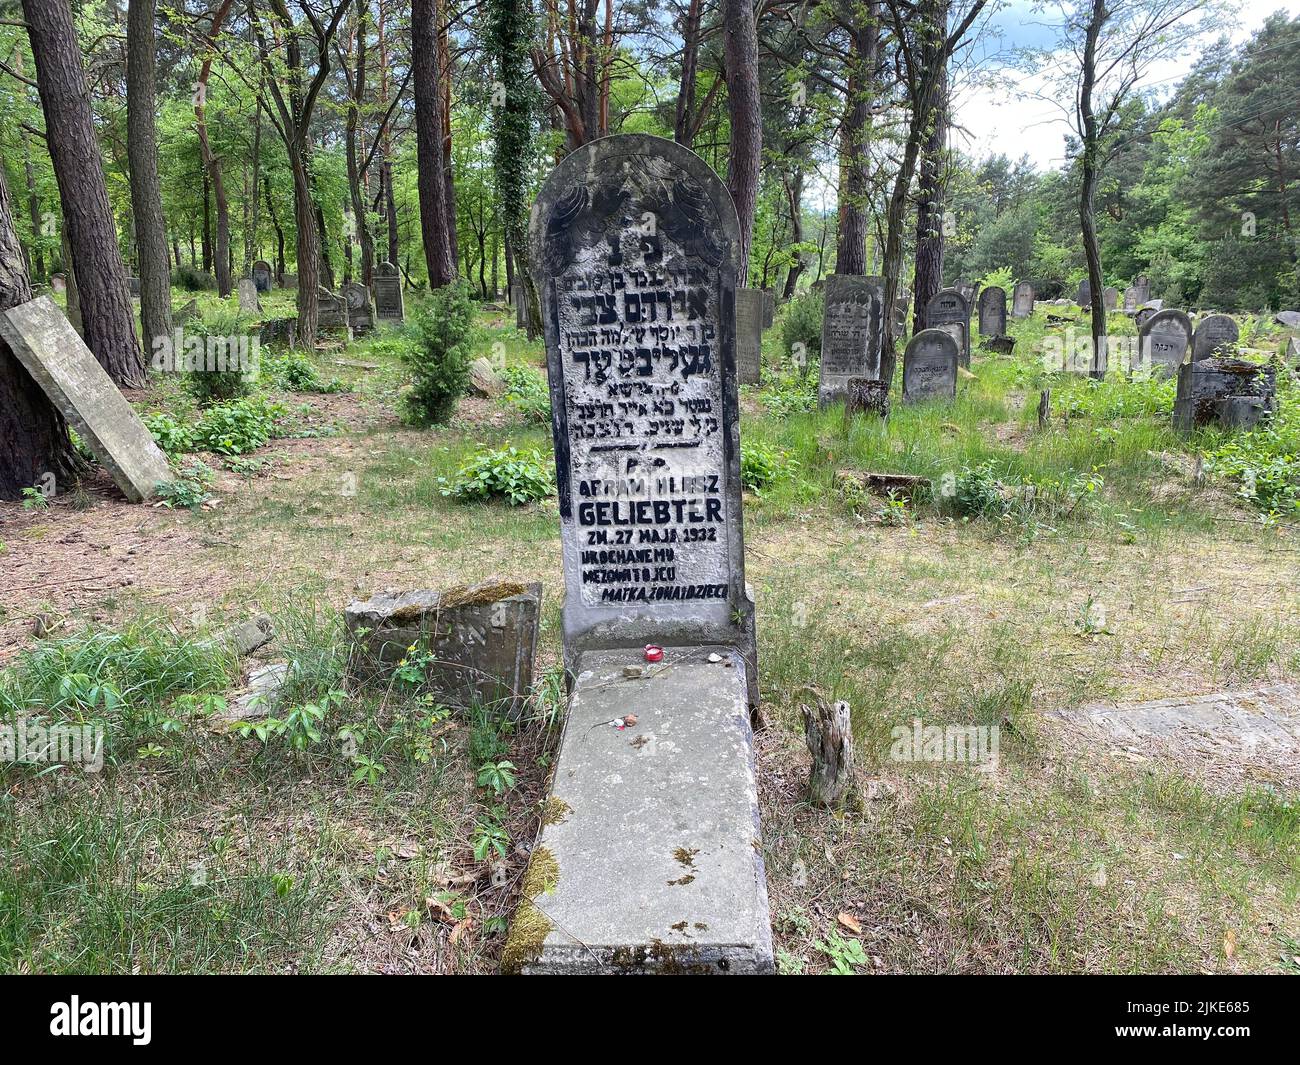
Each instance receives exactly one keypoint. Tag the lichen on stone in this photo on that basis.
(530, 927)
(555, 811)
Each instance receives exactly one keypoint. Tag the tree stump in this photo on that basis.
(865, 395)
(1044, 408)
(830, 742)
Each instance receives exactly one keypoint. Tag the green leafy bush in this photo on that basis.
(1266, 461)
(520, 476)
(169, 434)
(801, 330)
(760, 465)
(190, 489)
(293, 371)
(223, 331)
(439, 363)
(192, 279)
(788, 394)
(528, 392)
(236, 428)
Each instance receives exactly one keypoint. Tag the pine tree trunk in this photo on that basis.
(34, 440)
(855, 136)
(927, 277)
(432, 177)
(79, 169)
(146, 195)
(741, 50)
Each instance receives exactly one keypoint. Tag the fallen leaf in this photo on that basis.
(848, 921)
(1229, 943)
(461, 929)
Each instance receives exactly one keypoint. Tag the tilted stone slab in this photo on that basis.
(43, 340)
(749, 334)
(649, 857)
(483, 639)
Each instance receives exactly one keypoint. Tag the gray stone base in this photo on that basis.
(649, 861)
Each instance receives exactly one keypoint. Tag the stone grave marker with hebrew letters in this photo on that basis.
(1163, 340)
(361, 311)
(749, 334)
(262, 275)
(1110, 298)
(388, 294)
(1022, 304)
(949, 311)
(1131, 299)
(852, 332)
(930, 366)
(968, 291)
(43, 340)
(635, 247)
(331, 310)
(1216, 334)
(1143, 285)
(1084, 296)
(993, 312)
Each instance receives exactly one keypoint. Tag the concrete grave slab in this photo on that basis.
(43, 340)
(649, 857)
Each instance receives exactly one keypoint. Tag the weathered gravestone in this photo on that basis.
(133, 283)
(968, 291)
(1146, 312)
(1022, 303)
(290, 281)
(1110, 298)
(1290, 319)
(1130, 300)
(949, 311)
(930, 364)
(388, 294)
(1143, 285)
(1216, 334)
(262, 275)
(635, 245)
(749, 334)
(361, 312)
(769, 308)
(189, 312)
(482, 640)
(1232, 392)
(331, 310)
(993, 312)
(521, 307)
(1163, 340)
(1084, 296)
(852, 332)
(59, 283)
(248, 302)
(43, 340)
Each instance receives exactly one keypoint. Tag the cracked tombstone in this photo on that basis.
(949, 311)
(852, 333)
(634, 239)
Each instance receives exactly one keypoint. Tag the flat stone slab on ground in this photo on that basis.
(1255, 730)
(648, 860)
(44, 341)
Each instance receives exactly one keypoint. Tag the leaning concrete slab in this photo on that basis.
(649, 859)
(44, 341)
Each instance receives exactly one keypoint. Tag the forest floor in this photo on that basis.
(1100, 561)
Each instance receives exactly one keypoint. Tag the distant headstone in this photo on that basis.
(993, 312)
(361, 311)
(1231, 392)
(641, 345)
(1110, 298)
(852, 332)
(262, 275)
(43, 340)
(1022, 303)
(520, 303)
(769, 308)
(1084, 296)
(930, 364)
(949, 311)
(133, 283)
(1130, 299)
(290, 281)
(279, 331)
(59, 283)
(189, 313)
(749, 334)
(1216, 334)
(1290, 319)
(482, 640)
(331, 310)
(1143, 285)
(902, 306)
(1163, 340)
(388, 294)
(968, 291)
(248, 302)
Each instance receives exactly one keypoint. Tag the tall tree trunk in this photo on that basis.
(79, 169)
(34, 442)
(252, 243)
(431, 161)
(1091, 149)
(221, 254)
(146, 195)
(741, 57)
(361, 225)
(794, 200)
(927, 277)
(206, 237)
(855, 132)
(279, 232)
(444, 67)
(683, 126)
(33, 197)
